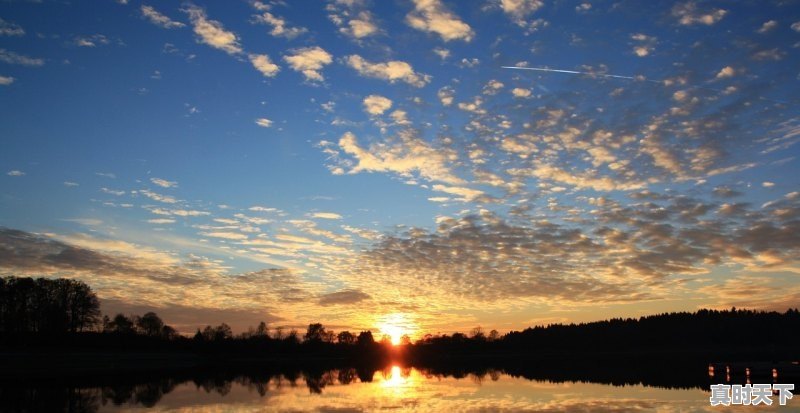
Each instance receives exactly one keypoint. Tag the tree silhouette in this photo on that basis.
(477, 334)
(121, 324)
(150, 324)
(315, 333)
(293, 337)
(365, 338)
(346, 337)
(47, 305)
(262, 330)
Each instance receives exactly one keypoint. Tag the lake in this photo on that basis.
(390, 388)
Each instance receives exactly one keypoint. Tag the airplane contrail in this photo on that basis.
(574, 72)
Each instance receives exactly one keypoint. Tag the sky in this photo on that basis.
(415, 166)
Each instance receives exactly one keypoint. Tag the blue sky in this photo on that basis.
(357, 161)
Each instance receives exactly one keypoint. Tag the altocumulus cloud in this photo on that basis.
(343, 297)
(392, 71)
(628, 253)
(404, 155)
(129, 275)
(434, 17)
(264, 64)
(211, 32)
(159, 19)
(376, 105)
(264, 122)
(309, 61)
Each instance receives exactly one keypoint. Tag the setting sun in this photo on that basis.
(394, 333)
(396, 326)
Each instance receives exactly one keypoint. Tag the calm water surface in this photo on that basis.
(394, 389)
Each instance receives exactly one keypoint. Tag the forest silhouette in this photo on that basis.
(52, 315)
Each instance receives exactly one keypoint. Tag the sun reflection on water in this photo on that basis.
(395, 381)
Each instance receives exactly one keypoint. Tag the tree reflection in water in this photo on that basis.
(393, 381)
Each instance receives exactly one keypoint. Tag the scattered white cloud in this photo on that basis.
(164, 183)
(581, 181)
(309, 61)
(474, 106)
(8, 28)
(18, 59)
(264, 122)
(161, 221)
(180, 212)
(15, 172)
(520, 92)
(519, 10)
(641, 51)
(115, 192)
(329, 106)
(159, 19)
(492, 87)
(6, 80)
(353, 19)
(469, 62)
(228, 235)
(432, 16)
(641, 37)
(646, 44)
(362, 26)
(211, 32)
(769, 54)
(91, 40)
(465, 194)
(392, 71)
(376, 105)
(89, 222)
(442, 52)
(258, 208)
(264, 64)
(446, 95)
(280, 28)
(158, 197)
(688, 14)
(726, 71)
(326, 215)
(768, 26)
(404, 155)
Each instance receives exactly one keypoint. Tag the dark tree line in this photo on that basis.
(63, 306)
(733, 333)
(317, 341)
(704, 329)
(45, 305)
(150, 325)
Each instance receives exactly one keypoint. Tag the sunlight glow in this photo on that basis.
(396, 326)
(397, 381)
(394, 333)
(395, 378)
